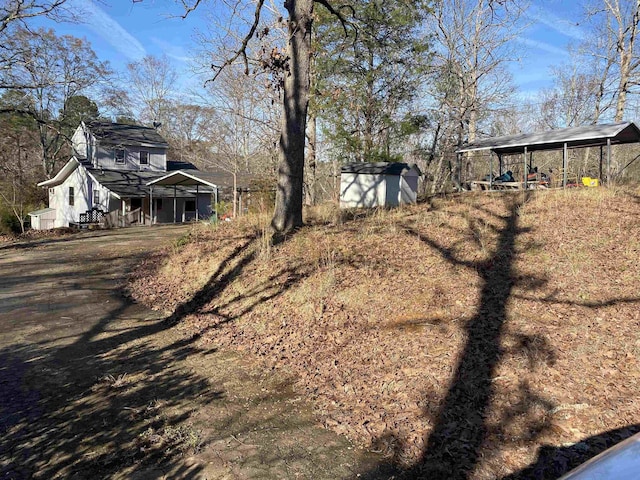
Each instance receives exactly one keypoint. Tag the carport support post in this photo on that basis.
(151, 206)
(197, 190)
(600, 164)
(608, 161)
(500, 172)
(526, 172)
(565, 161)
(175, 205)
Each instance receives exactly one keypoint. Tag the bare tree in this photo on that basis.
(473, 38)
(19, 12)
(615, 24)
(19, 166)
(52, 69)
(151, 81)
(15, 15)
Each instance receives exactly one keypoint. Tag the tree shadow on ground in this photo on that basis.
(553, 462)
(96, 395)
(457, 441)
(103, 403)
(469, 424)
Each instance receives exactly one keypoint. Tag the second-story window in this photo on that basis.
(71, 196)
(144, 158)
(119, 155)
(96, 197)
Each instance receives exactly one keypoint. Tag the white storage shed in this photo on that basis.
(43, 219)
(368, 185)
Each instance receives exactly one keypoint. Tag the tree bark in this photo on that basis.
(289, 193)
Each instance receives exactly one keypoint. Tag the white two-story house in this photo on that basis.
(123, 169)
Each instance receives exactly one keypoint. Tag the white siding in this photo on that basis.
(79, 143)
(105, 158)
(43, 221)
(106, 199)
(59, 198)
(409, 189)
(366, 191)
(369, 190)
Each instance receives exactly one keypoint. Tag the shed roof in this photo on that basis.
(124, 134)
(380, 168)
(41, 211)
(584, 136)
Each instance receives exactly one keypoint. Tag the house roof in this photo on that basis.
(124, 134)
(584, 136)
(380, 168)
(131, 184)
(62, 175)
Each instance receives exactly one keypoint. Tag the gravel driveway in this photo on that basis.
(94, 386)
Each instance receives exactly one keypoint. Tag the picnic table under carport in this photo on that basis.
(604, 135)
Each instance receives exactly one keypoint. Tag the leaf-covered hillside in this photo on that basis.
(483, 335)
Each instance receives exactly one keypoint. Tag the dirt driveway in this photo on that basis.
(94, 386)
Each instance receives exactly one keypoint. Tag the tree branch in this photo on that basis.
(242, 51)
(343, 21)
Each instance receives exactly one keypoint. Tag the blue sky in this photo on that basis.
(122, 31)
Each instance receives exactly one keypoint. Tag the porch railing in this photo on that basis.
(117, 219)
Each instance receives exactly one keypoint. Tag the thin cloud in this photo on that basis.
(565, 27)
(546, 47)
(109, 29)
(172, 51)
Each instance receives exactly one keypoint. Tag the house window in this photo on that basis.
(96, 197)
(144, 158)
(71, 196)
(52, 191)
(119, 155)
(159, 204)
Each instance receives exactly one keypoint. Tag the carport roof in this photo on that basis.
(584, 136)
(181, 177)
(131, 184)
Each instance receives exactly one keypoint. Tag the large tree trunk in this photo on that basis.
(288, 210)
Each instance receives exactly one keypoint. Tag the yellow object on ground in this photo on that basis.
(590, 182)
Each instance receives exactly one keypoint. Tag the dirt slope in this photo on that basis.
(479, 336)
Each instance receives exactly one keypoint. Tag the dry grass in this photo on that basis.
(374, 314)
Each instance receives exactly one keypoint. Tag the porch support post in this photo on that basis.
(526, 171)
(490, 170)
(608, 161)
(151, 206)
(500, 172)
(215, 199)
(175, 205)
(197, 190)
(565, 164)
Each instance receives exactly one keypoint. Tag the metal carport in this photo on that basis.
(182, 178)
(565, 138)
